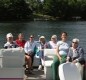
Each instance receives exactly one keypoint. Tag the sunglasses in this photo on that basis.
(75, 42)
(31, 37)
(53, 38)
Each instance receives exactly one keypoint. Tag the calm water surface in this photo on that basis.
(75, 29)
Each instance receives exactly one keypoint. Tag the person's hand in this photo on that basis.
(67, 60)
(74, 61)
(41, 49)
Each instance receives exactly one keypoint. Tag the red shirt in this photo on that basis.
(20, 43)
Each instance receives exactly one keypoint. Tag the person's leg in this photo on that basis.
(32, 58)
(54, 67)
(28, 60)
(40, 65)
(41, 62)
(29, 66)
(63, 59)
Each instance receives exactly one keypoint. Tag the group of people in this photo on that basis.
(67, 51)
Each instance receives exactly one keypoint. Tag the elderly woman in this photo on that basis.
(76, 55)
(41, 47)
(29, 49)
(53, 43)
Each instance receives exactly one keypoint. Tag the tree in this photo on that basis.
(14, 10)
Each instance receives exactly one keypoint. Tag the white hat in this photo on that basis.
(54, 36)
(9, 35)
(42, 37)
(75, 40)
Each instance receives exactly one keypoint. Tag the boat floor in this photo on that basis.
(37, 75)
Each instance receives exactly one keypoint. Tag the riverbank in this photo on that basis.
(47, 17)
(42, 17)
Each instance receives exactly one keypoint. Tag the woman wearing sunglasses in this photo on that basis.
(29, 49)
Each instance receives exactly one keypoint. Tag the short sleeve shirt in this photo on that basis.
(63, 47)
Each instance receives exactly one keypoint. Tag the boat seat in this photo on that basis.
(48, 57)
(49, 54)
(69, 71)
(13, 57)
(11, 64)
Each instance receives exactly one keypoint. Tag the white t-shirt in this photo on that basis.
(63, 47)
(52, 44)
(29, 46)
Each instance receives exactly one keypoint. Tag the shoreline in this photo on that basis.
(41, 17)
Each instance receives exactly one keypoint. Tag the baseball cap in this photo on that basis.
(9, 35)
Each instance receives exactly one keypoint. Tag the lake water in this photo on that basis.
(76, 29)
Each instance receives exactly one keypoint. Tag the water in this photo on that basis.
(75, 29)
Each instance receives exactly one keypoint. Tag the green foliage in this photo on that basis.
(14, 10)
(24, 9)
(65, 8)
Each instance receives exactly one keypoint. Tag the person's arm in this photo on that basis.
(5, 46)
(26, 47)
(48, 45)
(81, 54)
(58, 55)
(68, 55)
(15, 45)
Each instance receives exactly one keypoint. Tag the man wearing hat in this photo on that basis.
(10, 43)
(76, 55)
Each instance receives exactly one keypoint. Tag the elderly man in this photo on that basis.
(10, 43)
(76, 55)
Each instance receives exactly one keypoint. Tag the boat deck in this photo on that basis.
(38, 75)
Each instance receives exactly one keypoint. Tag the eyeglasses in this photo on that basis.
(31, 37)
(75, 42)
(53, 38)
